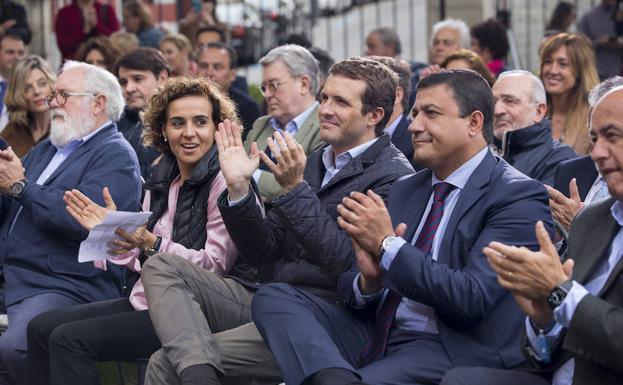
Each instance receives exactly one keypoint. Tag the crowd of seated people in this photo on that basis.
(372, 220)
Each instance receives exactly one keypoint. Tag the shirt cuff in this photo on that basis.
(235, 202)
(564, 312)
(257, 175)
(388, 257)
(362, 299)
(550, 337)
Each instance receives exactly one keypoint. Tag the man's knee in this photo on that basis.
(268, 295)
(61, 338)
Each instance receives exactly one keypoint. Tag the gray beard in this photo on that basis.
(71, 128)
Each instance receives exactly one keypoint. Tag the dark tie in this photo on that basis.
(3, 88)
(376, 346)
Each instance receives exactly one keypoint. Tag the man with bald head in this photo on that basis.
(574, 308)
(522, 133)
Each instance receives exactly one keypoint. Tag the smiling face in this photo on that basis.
(189, 130)
(442, 140)
(36, 91)
(607, 137)
(557, 72)
(342, 123)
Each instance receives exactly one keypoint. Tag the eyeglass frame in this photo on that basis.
(273, 85)
(65, 94)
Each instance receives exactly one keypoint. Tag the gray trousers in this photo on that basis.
(202, 318)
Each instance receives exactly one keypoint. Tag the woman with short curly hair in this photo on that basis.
(99, 51)
(180, 120)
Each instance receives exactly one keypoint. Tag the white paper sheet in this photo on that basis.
(97, 243)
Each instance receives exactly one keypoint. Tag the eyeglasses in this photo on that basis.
(272, 86)
(61, 96)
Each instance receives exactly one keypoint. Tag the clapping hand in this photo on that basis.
(530, 275)
(237, 167)
(11, 169)
(290, 157)
(141, 238)
(88, 213)
(565, 209)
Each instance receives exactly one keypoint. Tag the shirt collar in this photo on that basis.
(330, 160)
(617, 212)
(461, 175)
(390, 128)
(298, 120)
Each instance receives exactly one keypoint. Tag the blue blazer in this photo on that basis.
(401, 138)
(479, 322)
(582, 169)
(40, 253)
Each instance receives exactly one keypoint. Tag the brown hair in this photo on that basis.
(103, 44)
(582, 58)
(155, 114)
(15, 99)
(473, 60)
(381, 83)
(139, 9)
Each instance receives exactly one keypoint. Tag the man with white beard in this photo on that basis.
(39, 240)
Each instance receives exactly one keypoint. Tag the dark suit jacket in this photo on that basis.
(594, 334)
(582, 169)
(247, 108)
(479, 322)
(401, 138)
(40, 254)
(299, 241)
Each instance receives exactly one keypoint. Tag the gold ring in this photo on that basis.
(510, 274)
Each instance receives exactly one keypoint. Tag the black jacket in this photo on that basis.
(247, 108)
(131, 127)
(299, 241)
(10, 10)
(582, 169)
(532, 151)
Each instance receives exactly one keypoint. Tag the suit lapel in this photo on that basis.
(305, 134)
(472, 192)
(601, 229)
(418, 190)
(38, 165)
(78, 152)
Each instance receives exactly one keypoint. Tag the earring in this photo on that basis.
(165, 139)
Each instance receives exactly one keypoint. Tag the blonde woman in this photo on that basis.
(26, 100)
(177, 50)
(568, 73)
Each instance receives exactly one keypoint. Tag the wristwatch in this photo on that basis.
(388, 240)
(155, 248)
(16, 190)
(559, 293)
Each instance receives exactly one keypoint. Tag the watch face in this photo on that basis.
(16, 189)
(556, 297)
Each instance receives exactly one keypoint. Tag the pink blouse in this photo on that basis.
(218, 255)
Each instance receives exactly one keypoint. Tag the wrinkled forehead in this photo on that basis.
(608, 107)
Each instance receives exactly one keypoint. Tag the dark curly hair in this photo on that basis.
(155, 114)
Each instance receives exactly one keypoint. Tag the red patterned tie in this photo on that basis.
(376, 346)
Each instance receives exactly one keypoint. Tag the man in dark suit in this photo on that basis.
(39, 240)
(218, 62)
(575, 308)
(424, 298)
(298, 241)
(398, 124)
